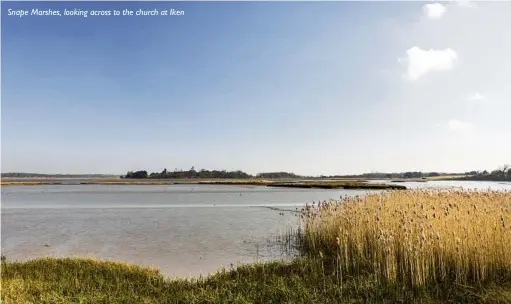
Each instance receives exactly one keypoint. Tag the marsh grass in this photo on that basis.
(416, 238)
(303, 280)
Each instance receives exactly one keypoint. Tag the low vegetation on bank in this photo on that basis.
(347, 184)
(397, 247)
(338, 184)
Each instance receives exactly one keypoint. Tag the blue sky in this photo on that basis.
(313, 88)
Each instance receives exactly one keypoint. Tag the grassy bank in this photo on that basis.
(304, 280)
(397, 247)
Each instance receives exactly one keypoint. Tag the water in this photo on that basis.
(157, 196)
(184, 230)
(472, 185)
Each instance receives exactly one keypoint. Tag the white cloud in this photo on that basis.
(457, 125)
(421, 62)
(434, 10)
(476, 97)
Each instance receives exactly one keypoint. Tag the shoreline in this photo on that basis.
(285, 183)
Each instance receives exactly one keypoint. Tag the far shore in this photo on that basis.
(286, 183)
(327, 183)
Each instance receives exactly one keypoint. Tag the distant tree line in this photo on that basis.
(271, 175)
(192, 173)
(501, 174)
(382, 175)
(136, 174)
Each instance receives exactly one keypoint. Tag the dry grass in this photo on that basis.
(416, 238)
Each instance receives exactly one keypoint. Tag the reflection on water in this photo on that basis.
(184, 230)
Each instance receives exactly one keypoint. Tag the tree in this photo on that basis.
(137, 174)
(504, 170)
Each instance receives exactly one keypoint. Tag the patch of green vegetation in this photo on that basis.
(304, 280)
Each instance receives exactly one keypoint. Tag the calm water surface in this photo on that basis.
(184, 230)
(472, 185)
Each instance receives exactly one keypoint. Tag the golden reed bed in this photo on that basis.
(416, 237)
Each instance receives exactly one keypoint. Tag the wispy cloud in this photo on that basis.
(420, 62)
(434, 10)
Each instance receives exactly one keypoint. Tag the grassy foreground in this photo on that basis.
(304, 280)
(397, 247)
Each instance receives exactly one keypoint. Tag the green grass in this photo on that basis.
(304, 280)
